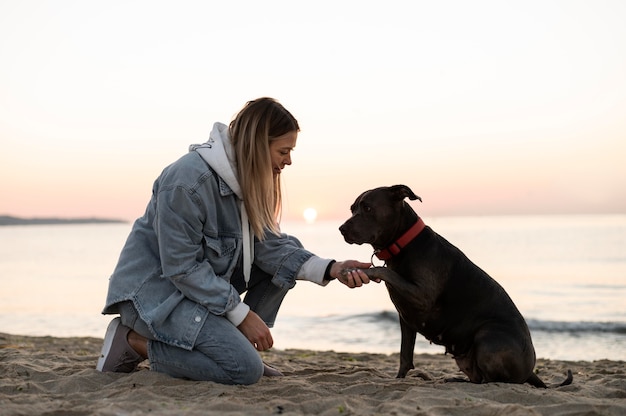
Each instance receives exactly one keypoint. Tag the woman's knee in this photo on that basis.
(239, 364)
(249, 371)
(244, 373)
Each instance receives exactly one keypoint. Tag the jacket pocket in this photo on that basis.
(220, 253)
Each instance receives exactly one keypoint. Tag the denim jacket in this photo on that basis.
(177, 262)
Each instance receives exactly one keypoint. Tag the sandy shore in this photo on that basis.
(57, 376)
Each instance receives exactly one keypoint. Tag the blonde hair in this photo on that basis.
(257, 124)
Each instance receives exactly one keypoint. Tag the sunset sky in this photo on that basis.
(481, 107)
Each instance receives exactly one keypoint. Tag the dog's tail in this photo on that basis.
(534, 380)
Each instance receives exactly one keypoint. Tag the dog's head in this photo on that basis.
(379, 216)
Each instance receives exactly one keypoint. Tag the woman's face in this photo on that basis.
(280, 150)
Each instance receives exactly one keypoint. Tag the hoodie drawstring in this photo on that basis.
(248, 244)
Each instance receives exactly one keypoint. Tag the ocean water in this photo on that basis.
(566, 274)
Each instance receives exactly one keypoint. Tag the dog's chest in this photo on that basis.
(413, 305)
(421, 308)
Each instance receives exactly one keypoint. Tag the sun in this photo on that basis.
(310, 214)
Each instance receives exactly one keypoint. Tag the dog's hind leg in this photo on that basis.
(501, 356)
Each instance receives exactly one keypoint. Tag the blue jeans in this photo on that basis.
(222, 353)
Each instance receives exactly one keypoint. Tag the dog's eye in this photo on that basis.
(367, 208)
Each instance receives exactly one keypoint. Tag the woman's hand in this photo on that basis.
(256, 331)
(348, 272)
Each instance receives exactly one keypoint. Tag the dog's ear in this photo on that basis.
(400, 192)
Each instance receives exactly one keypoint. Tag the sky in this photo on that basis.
(481, 107)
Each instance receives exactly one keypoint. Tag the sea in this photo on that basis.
(566, 274)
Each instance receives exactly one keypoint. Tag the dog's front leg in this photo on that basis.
(407, 346)
(389, 276)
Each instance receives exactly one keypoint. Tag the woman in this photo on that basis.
(210, 232)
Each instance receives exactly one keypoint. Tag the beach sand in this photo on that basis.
(57, 376)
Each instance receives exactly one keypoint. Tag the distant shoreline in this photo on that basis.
(9, 220)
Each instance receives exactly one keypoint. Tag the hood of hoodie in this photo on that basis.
(218, 152)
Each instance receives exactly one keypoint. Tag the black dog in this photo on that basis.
(440, 293)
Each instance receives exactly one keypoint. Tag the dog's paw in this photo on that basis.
(344, 272)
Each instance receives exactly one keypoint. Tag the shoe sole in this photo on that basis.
(108, 342)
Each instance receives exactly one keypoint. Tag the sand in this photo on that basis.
(57, 376)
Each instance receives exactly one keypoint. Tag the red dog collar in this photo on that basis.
(400, 243)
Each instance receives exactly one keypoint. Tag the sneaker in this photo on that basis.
(269, 371)
(117, 355)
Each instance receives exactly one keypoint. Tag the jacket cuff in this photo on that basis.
(238, 313)
(313, 270)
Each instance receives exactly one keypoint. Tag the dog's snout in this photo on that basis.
(347, 230)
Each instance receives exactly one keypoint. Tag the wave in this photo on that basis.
(384, 318)
(577, 327)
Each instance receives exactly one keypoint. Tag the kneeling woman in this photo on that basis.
(210, 233)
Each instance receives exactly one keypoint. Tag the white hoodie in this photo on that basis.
(219, 154)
